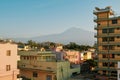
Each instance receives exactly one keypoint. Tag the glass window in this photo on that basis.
(105, 64)
(105, 47)
(104, 72)
(104, 30)
(111, 39)
(35, 74)
(112, 64)
(114, 21)
(104, 55)
(8, 68)
(49, 77)
(111, 47)
(118, 45)
(8, 53)
(104, 39)
(111, 30)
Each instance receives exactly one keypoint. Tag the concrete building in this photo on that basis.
(35, 65)
(24, 47)
(8, 61)
(118, 71)
(87, 55)
(72, 56)
(108, 41)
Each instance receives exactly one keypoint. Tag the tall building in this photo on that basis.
(118, 71)
(8, 61)
(108, 41)
(42, 65)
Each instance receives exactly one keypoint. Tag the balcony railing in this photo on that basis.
(110, 43)
(37, 66)
(111, 51)
(108, 69)
(106, 35)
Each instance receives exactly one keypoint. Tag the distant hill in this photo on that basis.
(73, 34)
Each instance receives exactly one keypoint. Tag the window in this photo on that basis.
(35, 74)
(104, 39)
(114, 21)
(111, 39)
(112, 64)
(49, 77)
(118, 36)
(111, 30)
(105, 47)
(118, 45)
(111, 55)
(104, 55)
(105, 64)
(104, 30)
(118, 28)
(104, 72)
(8, 53)
(8, 67)
(98, 24)
(111, 47)
(108, 56)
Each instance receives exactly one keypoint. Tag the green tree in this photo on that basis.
(32, 43)
(91, 62)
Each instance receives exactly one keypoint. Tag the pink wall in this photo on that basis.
(73, 56)
(8, 60)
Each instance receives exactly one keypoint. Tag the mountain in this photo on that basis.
(71, 35)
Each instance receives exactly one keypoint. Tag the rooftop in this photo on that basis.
(107, 9)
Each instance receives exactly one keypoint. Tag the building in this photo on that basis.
(8, 61)
(42, 65)
(24, 47)
(108, 41)
(72, 56)
(118, 71)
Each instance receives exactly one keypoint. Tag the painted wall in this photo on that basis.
(8, 60)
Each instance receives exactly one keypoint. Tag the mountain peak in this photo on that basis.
(72, 34)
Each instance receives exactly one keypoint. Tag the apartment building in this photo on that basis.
(108, 41)
(8, 61)
(43, 65)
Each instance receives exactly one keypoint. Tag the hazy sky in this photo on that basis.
(28, 18)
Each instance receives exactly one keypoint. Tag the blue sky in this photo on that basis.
(28, 18)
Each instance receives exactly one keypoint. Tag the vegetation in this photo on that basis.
(74, 46)
(49, 45)
(91, 62)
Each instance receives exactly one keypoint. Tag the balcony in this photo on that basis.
(111, 26)
(108, 35)
(106, 68)
(49, 67)
(106, 60)
(110, 43)
(100, 19)
(111, 51)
